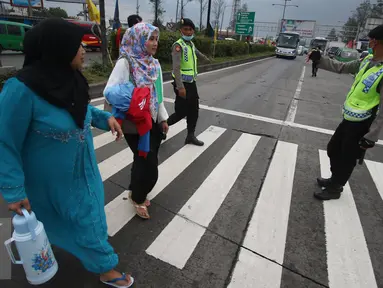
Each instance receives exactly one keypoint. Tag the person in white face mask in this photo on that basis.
(184, 58)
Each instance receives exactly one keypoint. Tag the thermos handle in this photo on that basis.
(28, 217)
(10, 253)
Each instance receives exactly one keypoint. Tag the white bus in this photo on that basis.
(287, 44)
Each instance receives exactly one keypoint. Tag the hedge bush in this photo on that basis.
(223, 48)
(5, 77)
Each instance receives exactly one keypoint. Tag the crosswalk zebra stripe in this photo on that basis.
(251, 268)
(120, 160)
(103, 139)
(376, 170)
(178, 240)
(348, 260)
(119, 211)
(267, 230)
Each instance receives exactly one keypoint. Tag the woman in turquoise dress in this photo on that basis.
(48, 161)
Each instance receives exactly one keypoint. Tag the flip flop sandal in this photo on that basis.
(146, 203)
(139, 206)
(112, 282)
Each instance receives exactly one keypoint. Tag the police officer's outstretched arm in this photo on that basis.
(176, 60)
(201, 55)
(331, 65)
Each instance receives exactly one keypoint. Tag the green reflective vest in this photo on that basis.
(188, 61)
(365, 60)
(363, 96)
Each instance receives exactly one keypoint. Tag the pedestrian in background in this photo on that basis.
(132, 20)
(315, 57)
(137, 68)
(184, 59)
(48, 163)
(362, 117)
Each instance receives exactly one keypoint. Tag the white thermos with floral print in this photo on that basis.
(33, 247)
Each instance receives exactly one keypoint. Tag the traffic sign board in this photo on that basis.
(244, 29)
(245, 23)
(245, 17)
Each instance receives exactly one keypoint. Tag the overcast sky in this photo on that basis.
(323, 11)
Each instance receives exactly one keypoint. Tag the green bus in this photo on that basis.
(12, 35)
(346, 55)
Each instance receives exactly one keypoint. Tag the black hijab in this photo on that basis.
(49, 50)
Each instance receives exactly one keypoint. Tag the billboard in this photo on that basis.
(95, 2)
(24, 3)
(306, 28)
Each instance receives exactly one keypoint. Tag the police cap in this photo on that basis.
(376, 33)
(133, 20)
(186, 22)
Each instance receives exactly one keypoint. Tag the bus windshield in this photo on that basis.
(319, 42)
(288, 40)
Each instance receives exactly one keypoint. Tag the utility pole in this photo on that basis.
(156, 13)
(138, 7)
(30, 13)
(284, 11)
(208, 17)
(182, 9)
(178, 4)
(104, 42)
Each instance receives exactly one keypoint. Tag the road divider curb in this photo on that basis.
(96, 90)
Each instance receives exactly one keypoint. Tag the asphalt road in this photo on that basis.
(16, 59)
(240, 212)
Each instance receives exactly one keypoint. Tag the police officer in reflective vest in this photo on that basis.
(362, 117)
(366, 59)
(184, 57)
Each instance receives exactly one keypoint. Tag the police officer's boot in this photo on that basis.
(333, 191)
(324, 182)
(191, 139)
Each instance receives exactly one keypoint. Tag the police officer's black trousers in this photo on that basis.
(344, 150)
(186, 107)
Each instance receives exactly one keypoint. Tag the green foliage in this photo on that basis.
(96, 72)
(5, 77)
(51, 12)
(223, 48)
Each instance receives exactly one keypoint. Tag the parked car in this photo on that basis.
(346, 55)
(12, 35)
(332, 51)
(363, 55)
(300, 51)
(90, 39)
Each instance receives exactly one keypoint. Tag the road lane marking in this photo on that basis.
(181, 236)
(267, 234)
(376, 172)
(5, 262)
(120, 160)
(294, 102)
(263, 119)
(348, 260)
(119, 211)
(207, 73)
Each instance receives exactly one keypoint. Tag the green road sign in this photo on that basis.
(244, 29)
(245, 17)
(245, 23)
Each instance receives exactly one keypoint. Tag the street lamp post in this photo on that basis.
(208, 17)
(138, 7)
(284, 10)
